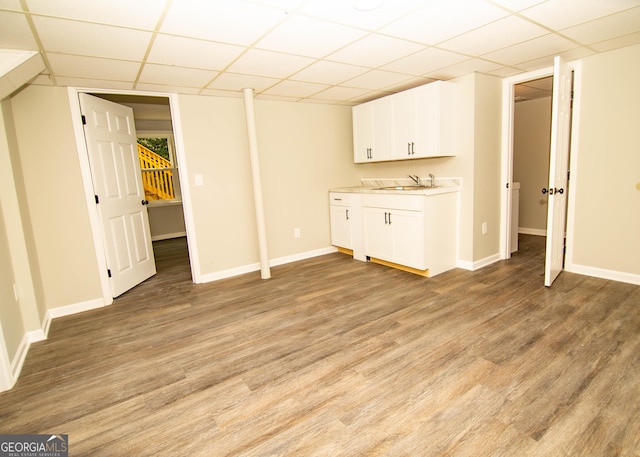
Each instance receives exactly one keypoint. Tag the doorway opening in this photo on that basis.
(545, 161)
(153, 116)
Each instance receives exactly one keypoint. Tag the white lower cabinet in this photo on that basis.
(395, 235)
(415, 231)
(341, 215)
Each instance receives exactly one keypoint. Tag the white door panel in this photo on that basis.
(558, 170)
(117, 182)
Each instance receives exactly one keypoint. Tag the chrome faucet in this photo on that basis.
(416, 179)
(433, 180)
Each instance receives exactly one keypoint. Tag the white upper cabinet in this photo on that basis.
(419, 123)
(371, 141)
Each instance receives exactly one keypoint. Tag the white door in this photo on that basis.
(117, 182)
(558, 169)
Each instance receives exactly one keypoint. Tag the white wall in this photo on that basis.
(605, 180)
(304, 150)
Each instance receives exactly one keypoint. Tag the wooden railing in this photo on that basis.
(157, 181)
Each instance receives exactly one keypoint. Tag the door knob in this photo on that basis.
(559, 191)
(145, 202)
(544, 190)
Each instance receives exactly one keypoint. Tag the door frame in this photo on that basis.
(508, 112)
(85, 169)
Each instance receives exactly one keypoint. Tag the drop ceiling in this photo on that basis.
(320, 51)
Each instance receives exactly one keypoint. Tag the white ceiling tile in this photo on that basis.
(440, 20)
(282, 98)
(464, 68)
(606, 28)
(342, 11)
(71, 37)
(517, 5)
(176, 76)
(376, 79)
(269, 64)
(143, 14)
(295, 89)
(560, 14)
(237, 82)
(235, 22)
(425, 61)
(222, 93)
(15, 32)
(340, 93)
(505, 72)
(620, 42)
(499, 34)
(546, 45)
(309, 37)
(94, 83)
(167, 89)
(375, 50)
(92, 67)
(328, 72)
(285, 5)
(10, 5)
(189, 52)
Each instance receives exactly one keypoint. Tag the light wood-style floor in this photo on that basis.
(335, 357)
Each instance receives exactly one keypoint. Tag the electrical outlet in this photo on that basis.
(296, 232)
(484, 228)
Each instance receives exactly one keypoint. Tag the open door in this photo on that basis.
(558, 170)
(117, 182)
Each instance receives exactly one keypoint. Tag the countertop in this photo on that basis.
(444, 185)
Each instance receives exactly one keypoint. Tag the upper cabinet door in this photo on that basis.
(371, 134)
(418, 123)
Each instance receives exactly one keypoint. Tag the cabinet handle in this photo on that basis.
(412, 151)
(338, 199)
(408, 149)
(385, 217)
(347, 213)
(389, 218)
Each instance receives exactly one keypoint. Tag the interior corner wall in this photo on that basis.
(304, 150)
(487, 167)
(11, 321)
(531, 139)
(58, 222)
(606, 178)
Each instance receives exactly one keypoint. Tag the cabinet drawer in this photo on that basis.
(339, 199)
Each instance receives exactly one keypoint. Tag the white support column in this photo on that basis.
(265, 272)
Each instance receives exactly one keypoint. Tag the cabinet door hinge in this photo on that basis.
(84, 120)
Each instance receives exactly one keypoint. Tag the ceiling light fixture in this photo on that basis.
(367, 5)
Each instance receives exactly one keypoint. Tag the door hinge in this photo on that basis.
(568, 175)
(97, 199)
(109, 272)
(84, 120)
(507, 185)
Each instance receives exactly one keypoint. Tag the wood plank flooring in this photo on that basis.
(335, 357)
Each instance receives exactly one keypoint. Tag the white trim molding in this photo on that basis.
(272, 263)
(603, 273)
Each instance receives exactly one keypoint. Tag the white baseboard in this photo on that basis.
(473, 266)
(168, 236)
(74, 309)
(41, 334)
(532, 231)
(256, 266)
(604, 273)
